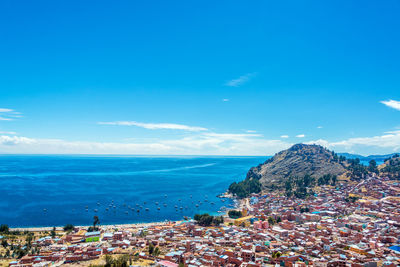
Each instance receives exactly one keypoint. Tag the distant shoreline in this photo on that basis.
(61, 228)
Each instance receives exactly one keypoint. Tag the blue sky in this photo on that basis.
(199, 77)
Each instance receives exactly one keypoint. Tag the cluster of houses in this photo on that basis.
(351, 224)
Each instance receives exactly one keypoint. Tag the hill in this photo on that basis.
(391, 167)
(295, 168)
(297, 161)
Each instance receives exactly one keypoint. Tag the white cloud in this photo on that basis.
(156, 126)
(392, 104)
(3, 110)
(300, 135)
(319, 127)
(232, 136)
(251, 131)
(284, 136)
(241, 80)
(225, 100)
(198, 144)
(5, 119)
(393, 132)
(14, 140)
(8, 114)
(388, 142)
(5, 132)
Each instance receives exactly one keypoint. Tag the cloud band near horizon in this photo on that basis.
(156, 126)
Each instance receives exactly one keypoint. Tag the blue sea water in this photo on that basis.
(55, 190)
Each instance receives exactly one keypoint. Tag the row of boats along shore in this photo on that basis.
(146, 206)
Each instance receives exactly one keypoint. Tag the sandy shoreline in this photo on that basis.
(105, 226)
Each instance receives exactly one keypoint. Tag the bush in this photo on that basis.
(245, 188)
(234, 214)
(69, 227)
(208, 220)
(4, 228)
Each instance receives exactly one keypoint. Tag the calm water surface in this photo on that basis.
(65, 185)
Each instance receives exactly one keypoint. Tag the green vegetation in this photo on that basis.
(121, 261)
(392, 168)
(53, 232)
(69, 227)
(357, 170)
(234, 214)
(327, 179)
(299, 187)
(372, 167)
(208, 220)
(271, 221)
(96, 221)
(306, 209)
(12, 242)
(4, 228)
(245, 188)
(276, 255)
(352, 199)
(151, 248)
(155, 251)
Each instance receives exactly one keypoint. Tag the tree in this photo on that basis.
(208, 220)
(151, 248)
(4, 228)
(271, 220)
(121, 261)
(217, 220)
(276, 254)
(53, 232)
(95, 222)
(156, 251)
(234, 214)
(28, 240)
(109, 261)
(245, 188)
(372, 167)
(333, 180)
(69, 227)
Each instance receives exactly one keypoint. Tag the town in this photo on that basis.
(350, 224)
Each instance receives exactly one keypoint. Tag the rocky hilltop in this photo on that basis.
(297, 161)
